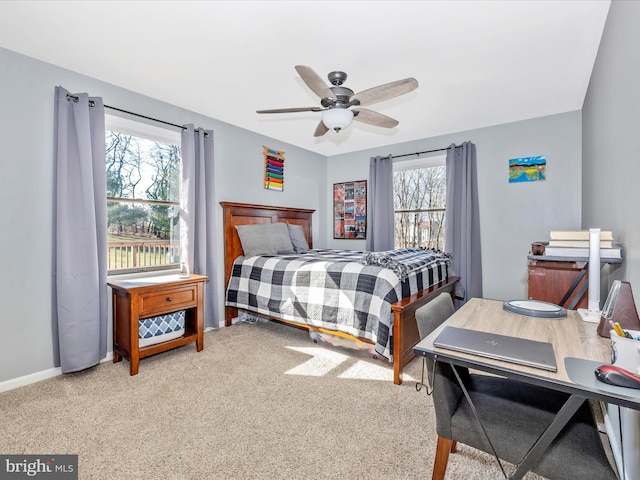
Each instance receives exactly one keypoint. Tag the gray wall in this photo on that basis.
(26, 176)
(511, 215)
(611, 138)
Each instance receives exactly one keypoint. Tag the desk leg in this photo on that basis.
(475, 414)
(572, 288)
(583, 288)
(567, 411)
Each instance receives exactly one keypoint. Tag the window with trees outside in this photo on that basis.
(419, 188)
(143, 178)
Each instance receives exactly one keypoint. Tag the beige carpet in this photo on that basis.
(261, 401)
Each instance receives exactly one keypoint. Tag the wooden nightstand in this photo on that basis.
(152, 296)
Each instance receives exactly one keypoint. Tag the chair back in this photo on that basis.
(430, 316)
(446, 390)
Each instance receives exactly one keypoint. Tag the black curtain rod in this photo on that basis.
(91, 104)
(181, 127)
(417, 154)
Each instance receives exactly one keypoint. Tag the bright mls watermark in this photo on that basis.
(50, 467)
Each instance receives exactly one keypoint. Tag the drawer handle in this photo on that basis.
(169, 299)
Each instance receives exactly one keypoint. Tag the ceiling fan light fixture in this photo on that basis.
(337, 99)
(337, 118)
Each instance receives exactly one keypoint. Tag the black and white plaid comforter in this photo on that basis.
(332, 289)
(402, 261)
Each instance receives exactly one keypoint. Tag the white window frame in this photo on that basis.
(140, 129)
(435, 159)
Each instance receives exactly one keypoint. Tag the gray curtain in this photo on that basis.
(462, 236)
(197, 202)
(80, 239)
(380, 215)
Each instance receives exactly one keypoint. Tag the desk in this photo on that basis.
(577, 346)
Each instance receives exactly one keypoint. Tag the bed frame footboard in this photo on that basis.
(405, 328)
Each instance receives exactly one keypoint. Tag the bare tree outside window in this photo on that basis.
(142, 203)
(419, 204)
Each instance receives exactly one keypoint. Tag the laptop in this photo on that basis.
(500, 347)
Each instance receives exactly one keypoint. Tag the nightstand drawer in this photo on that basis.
(169, 299)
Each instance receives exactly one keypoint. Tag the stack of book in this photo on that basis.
(575, 243)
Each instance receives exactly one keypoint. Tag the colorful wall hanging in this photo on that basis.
(528, 169)
(273, 169)
(350, 210)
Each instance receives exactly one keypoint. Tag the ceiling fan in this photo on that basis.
(337, 100)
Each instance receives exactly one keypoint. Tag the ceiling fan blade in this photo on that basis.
(315, 82)
(321, 129)
(291, 110)
(374, 118)
(386, 91)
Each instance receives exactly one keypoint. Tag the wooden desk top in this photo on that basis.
(570, 337)
(575, 343)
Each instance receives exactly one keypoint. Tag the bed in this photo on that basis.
(396, 344)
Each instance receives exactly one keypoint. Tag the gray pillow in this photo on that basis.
(296, 232)
(264, 239)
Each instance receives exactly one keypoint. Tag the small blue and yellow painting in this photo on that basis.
(528, 169)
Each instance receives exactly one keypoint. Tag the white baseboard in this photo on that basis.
(49, 373)
(29, 379)
(39, 376)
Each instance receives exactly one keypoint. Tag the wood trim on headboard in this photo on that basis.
(249, 214)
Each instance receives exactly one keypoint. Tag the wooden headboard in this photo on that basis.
(248, 214)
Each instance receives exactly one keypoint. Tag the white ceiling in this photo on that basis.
(478, 63)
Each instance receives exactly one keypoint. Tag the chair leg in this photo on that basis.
(454, 444)
(443, 448)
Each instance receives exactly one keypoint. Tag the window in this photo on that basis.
(143, 177)
(419, 188)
